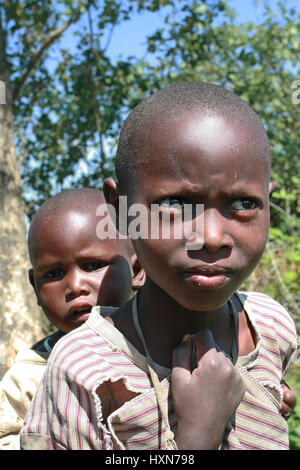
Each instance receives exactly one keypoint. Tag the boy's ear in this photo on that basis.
(111, 193)
(112, 198)
(31, 280)
(139, 275)
(272, 186)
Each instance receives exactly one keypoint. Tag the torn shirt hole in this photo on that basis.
(275, 390)
(113, 395)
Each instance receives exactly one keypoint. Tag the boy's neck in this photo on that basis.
(164, 322)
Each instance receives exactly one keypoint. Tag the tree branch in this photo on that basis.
(52, 37)
(94, 90)
(97, 120)
(282, 211)
(3, 65)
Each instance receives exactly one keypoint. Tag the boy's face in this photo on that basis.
(73, 270)
(222, 164)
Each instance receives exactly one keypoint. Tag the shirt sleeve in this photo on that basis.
(61, 415)
(17, 389)
(287, 339)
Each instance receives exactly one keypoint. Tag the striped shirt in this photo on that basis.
(96, 393)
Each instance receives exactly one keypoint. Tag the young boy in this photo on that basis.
(190, 362)
(72, 271)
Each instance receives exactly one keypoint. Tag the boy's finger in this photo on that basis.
(204, 341)
(285, 410)
(289, 398)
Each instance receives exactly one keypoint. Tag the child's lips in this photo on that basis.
(80, 312)
(207, 277)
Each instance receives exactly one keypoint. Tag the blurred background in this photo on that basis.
(73, 70)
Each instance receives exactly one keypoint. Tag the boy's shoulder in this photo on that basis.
(259, 296)
(272, 320)
(265, 305)
(261, 305)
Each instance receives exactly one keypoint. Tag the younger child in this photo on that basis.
(72, 271)
(190, 362)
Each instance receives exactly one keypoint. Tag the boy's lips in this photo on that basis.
(207, 276)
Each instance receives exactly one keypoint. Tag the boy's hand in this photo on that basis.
(288, 401)
(205, 399)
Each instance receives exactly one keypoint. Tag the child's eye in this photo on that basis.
(55, 274)
(94, 265)
(243, 204)
(169, 202)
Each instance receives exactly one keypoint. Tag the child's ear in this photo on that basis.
(272, 186)
(31, 280)
(111, 193)
(139, 275)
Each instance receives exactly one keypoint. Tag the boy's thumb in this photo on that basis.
(204, 341)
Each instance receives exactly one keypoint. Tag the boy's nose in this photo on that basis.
(76, 284)
(215, 233)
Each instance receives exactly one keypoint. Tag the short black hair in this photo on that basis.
(80, 199)
(198, 98)
(75, 198)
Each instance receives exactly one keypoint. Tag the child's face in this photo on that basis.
(73, 270)
(222, 164)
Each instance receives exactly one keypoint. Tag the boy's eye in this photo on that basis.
(169, 202)
(243, 204)
(55, 274)
(94, 265)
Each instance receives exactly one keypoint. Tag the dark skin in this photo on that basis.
(211, 161)
(73, 270)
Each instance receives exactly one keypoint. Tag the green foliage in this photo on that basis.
(70, 99)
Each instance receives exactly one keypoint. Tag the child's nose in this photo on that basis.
(76, 283)
(215, 233)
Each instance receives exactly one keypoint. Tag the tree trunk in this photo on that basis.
(20, 316)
